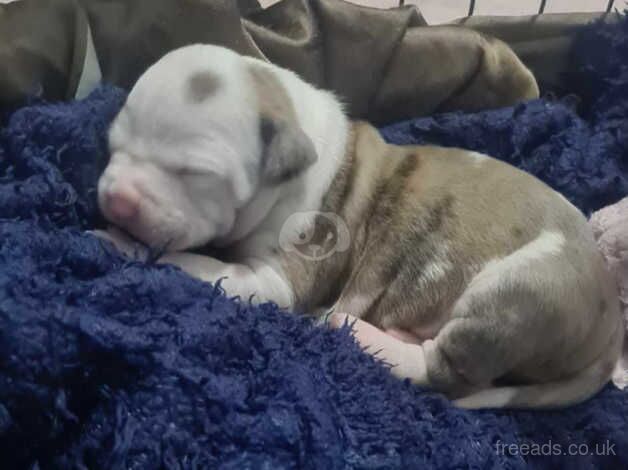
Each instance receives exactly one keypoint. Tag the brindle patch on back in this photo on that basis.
(343, 183)
(389, 192)
(517, 231)
(201, 86)
(439, 212)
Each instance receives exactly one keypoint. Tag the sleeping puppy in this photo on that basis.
(476, 278)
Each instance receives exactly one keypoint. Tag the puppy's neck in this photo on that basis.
(327, 126)
(321, 117)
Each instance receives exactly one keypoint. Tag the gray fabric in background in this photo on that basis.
(385, 64)
(42, 47)
(543, 42)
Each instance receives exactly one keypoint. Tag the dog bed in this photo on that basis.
(111, 363)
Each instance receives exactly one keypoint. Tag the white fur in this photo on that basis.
(434, 272)
(495, 397)
(478, 158)
(158, 135)
(437, 269)
(546, 244)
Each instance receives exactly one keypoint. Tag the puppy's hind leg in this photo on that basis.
(535, 316)
(517, 311)
(407, 359)
(507, 316)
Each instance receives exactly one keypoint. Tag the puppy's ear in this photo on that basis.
(288, 151)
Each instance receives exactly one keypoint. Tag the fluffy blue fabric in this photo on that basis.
(109, 363)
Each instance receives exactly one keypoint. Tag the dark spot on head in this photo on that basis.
(602, 306)
(201, 85)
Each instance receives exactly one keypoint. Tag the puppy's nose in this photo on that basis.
(123, 201)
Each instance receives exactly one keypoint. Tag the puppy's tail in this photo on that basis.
(558, 394)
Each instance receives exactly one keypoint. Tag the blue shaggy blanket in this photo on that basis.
(110, 363)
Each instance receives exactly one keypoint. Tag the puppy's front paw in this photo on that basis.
(201, 267)
(122, 242)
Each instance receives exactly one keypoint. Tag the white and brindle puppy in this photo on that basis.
(492, 279)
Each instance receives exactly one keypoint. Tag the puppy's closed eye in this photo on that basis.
(192, 172)
(183, 172)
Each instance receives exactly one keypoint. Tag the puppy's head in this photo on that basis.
(201, 132)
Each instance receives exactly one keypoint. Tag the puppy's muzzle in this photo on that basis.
(121, 202)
